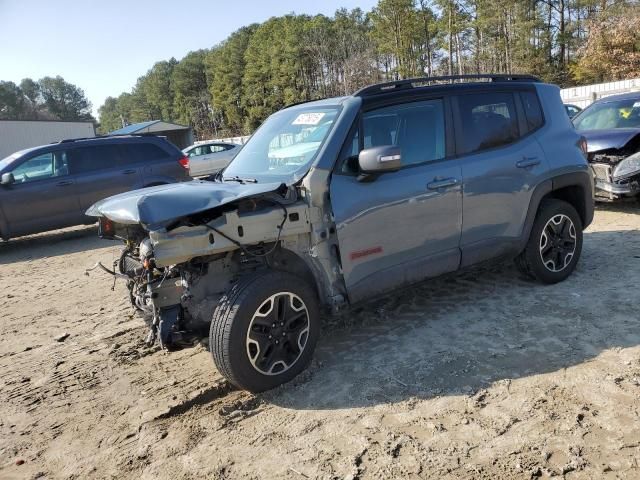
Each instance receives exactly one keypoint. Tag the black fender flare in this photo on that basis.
(582, 179)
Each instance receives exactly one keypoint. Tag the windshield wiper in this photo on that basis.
(239, 179)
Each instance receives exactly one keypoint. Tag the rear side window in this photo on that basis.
(488, 121)
(532, 110)
(141, 153)
(220, 148)
(94, 158)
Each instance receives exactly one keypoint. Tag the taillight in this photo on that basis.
(106, 228)
(582, 143)
(184, 161)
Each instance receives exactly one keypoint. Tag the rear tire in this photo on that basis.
(264, 330)
(554, 245)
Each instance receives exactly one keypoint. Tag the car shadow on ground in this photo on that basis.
(51, 244)
(457, 334)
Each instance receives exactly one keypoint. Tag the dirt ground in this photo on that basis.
(476, 375)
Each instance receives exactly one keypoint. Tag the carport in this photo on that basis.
(180, 135)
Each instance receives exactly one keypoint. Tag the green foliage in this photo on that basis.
(231, 88)
(64, 100)
(47, 99)
(12, 102)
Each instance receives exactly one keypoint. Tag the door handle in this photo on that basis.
(528, 162)
(64, 183)
(128, 172)
(443, 183)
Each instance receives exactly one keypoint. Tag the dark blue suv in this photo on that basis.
(51, 186)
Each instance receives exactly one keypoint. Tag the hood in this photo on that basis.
(155, 207)
(610, 138)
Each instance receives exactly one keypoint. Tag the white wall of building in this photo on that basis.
(586, 95)
(236, 140)
(17, 134)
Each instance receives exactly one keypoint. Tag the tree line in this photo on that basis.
(231, 88)
(50, 98)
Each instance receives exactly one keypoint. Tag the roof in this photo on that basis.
(422, 82)
(152, 126)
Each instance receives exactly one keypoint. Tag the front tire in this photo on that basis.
(555, 243)
(264, 330)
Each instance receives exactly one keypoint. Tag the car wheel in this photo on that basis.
(555, 243)
(264, 330)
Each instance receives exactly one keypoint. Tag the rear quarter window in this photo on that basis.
(532, 110)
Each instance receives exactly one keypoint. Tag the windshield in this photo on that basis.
(284, 147)
(615, 114)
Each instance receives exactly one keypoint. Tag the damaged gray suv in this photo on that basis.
(338, 201)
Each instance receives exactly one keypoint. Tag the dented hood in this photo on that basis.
(610, 138)
(155, 207)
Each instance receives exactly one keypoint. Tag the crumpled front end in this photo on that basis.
(614, 156)
(616, 176)
(177, 273)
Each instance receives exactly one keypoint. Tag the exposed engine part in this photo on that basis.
(611, 159)
(608, 186)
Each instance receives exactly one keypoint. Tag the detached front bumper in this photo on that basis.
(610, 188)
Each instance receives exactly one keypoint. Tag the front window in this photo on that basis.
(284, 147)
(43, 166)
(614, 114)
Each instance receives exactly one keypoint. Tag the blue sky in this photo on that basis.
(104, 46)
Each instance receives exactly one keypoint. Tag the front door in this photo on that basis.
(402, 226)
(43, 196)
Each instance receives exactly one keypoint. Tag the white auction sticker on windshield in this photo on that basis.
(636, 105)
(312, 118)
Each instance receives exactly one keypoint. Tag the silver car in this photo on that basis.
(209, 158)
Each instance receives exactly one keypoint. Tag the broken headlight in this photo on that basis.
(627, 167)
(145, 249)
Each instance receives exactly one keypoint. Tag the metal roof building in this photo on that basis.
(180, 135)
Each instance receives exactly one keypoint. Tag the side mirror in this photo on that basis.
(387, 158)
(7, 179)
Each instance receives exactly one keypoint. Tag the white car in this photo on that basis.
(210, 158)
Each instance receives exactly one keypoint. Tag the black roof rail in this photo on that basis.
(69, 140)
(425, 81)
(107, 135)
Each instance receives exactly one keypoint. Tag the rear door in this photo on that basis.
(101, 171)
(501, 164)
(43, 196)
(402, 226)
